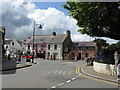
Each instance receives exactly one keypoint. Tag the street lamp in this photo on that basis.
(33, 40)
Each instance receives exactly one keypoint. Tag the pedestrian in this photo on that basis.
(54, 57)
(8, 56)
(87, 60)
(51, 57)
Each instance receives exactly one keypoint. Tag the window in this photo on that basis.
(48, 47)
(79, 48)
(55, 47)
(42, 47)
(86, 48)
(12, 43)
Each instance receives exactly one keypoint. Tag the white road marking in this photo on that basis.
(55, 72)
(68, 81)
(59, 72)
(60, 84)
(69, 72)
(73, 78)
(48, 72)
(77, 76)
(53, 87)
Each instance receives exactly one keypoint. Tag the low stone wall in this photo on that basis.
(108, 69)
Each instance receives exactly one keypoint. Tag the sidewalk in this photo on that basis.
(12, 65)
(88, 70)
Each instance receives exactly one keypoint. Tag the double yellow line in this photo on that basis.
(89, 77)
(78, 70)
(28, 67)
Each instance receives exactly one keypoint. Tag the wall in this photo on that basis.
(52, 50)
(108, 69)
(0, 47)
(13, 48)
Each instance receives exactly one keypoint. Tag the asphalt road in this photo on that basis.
(50, 74)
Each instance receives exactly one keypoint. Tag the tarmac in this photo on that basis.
(88, 71)
(84, 69)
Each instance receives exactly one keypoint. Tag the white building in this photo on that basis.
(52, 45)
(13, 46)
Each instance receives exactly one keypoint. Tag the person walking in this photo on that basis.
(8, 56)
(54, 57)
(87, 60)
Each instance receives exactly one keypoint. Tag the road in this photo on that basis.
(50, 74)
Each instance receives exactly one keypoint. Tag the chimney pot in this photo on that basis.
(54, 33)
(68, 32)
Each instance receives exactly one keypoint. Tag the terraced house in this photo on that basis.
(52, 45)
(82, 49)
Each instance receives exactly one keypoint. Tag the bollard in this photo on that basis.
(116, 57)
(116, 60)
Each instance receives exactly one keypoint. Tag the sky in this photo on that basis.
(18, 18)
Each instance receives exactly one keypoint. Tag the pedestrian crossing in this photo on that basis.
(61, 72)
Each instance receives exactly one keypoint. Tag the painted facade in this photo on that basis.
(52, 45)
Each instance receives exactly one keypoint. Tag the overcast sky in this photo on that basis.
(18, 18)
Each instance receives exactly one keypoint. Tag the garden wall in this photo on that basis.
(108, 69)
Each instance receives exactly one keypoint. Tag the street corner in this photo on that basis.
(78, 70)
(81, 72)
(29, 65)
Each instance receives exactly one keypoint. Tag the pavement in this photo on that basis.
(12, 65)
(88, 71)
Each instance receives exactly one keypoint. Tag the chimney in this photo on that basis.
(54, 33)
(68, 32)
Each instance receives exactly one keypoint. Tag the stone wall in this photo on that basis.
(108, 69)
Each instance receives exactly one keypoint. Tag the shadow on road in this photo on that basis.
(8, 67)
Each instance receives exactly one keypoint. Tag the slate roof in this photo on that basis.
(85, 43)
(59, 38)
(8, 41)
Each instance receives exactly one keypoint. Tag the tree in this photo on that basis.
(101, 43)
(115, 46)
(101, 19)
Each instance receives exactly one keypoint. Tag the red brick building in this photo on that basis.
(81, 49)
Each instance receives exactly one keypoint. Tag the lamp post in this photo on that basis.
(33, 40)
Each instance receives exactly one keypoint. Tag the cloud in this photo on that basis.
(78, 37)
(15, 19)
(18, 18)
(53, 20)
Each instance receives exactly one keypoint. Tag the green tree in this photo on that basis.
(115, 46)
(101, 44)
(101, 19)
